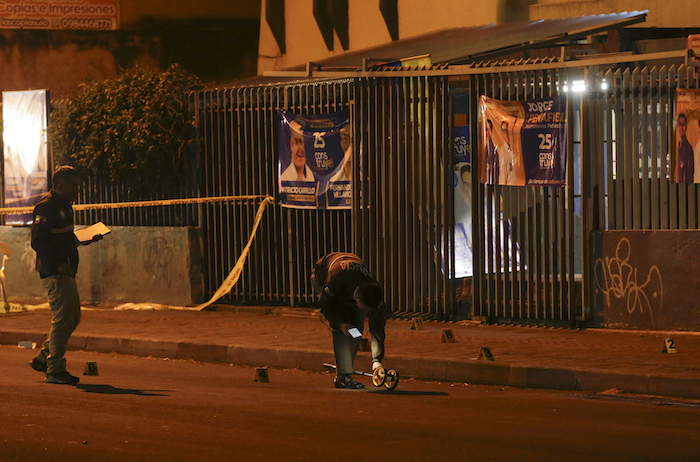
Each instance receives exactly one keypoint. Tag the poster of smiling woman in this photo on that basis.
(523, 142)
(686, 149)
(315, 160)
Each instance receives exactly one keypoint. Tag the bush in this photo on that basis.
(136, 127)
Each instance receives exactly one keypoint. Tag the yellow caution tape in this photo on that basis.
(122, 205)
(235, 273)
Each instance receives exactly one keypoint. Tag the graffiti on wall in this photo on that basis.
(29, 257)
(157, 258)
(621, 282)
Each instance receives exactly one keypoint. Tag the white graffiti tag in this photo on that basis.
(615, 277)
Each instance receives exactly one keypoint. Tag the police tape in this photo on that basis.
(235, 273)
(123, 205)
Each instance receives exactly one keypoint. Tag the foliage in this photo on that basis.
(136, 127)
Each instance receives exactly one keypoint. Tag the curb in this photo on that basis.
(476, 372)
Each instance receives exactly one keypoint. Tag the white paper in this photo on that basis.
(86, 234)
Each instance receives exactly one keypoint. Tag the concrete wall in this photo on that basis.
(131, 264)
(647, 279)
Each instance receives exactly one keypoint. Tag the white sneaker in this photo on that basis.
(375, 365)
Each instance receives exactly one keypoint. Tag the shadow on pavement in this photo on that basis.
(409, 393)
(110, 390)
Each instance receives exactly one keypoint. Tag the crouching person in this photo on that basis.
(349, 294)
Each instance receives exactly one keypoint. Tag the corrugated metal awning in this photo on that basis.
(465, 45)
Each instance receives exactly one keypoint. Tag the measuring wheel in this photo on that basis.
(379, 377)
(391, 380)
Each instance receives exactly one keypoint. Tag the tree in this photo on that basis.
(135, 129)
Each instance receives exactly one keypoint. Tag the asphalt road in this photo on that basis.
(143, 409)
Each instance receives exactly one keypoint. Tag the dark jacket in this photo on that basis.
(53, 238)
(344, 272)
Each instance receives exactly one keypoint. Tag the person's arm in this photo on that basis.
(41, 235)
(40, 232)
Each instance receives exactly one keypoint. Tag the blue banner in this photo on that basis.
(315, 160)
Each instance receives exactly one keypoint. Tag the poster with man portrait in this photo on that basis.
(523, 142)
(685, 157)
(315, 160)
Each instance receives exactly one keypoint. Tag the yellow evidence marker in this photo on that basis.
(447, 336)
(90, 368)
(485, 354)
(261, 375)
(417, 323)
(669, 346)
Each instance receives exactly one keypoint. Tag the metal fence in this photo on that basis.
(399, 200)
(401, 221)
(630, 132)
(526, 239)
(237, 129)
(403, 207)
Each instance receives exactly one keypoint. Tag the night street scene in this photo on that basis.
(333, 230)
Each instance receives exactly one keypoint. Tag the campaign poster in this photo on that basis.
(694, 47)
(523, 142)
(685, 155)
(315, 160)
(25, 150)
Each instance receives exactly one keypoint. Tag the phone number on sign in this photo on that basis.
(84, 23)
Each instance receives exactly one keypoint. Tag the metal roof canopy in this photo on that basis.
(466, 50)
(465, 44)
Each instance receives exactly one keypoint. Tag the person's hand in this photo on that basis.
(376, 364)
(97, 237)
(344, 329)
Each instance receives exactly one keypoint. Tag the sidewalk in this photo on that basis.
(590, 360)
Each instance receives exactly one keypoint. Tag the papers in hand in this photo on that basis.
(87, 234)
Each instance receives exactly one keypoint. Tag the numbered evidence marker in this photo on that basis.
(261, 375)
(447, 336)
(90, 368)
(485, 354)
(417, 323)
(669, 346)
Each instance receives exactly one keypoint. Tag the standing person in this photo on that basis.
(686, 159)
(349, 293)
(57, 263)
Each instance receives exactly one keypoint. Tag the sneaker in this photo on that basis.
(346, 381)
(62, 378)
(37, 365)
